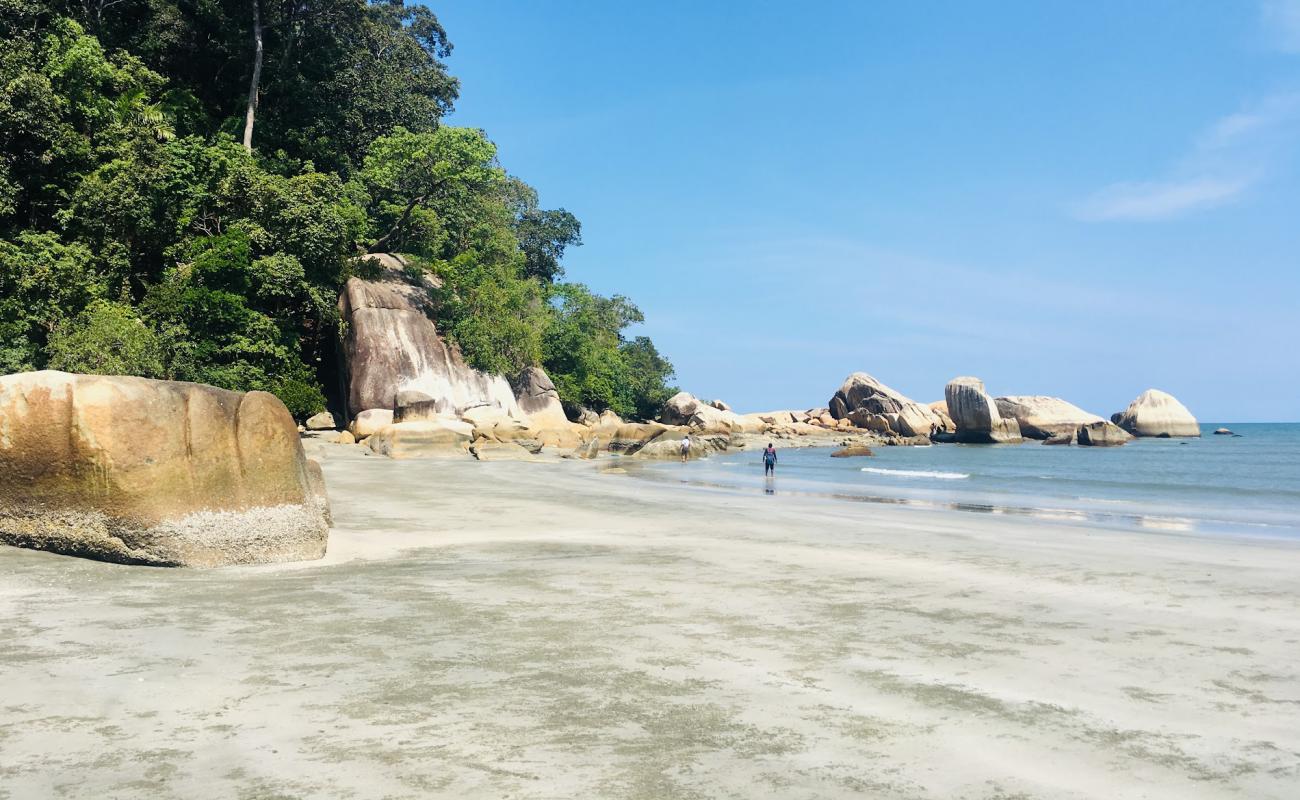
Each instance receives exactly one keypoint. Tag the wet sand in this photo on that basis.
(555, 630)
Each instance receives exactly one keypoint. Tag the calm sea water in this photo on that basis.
(1245, 484)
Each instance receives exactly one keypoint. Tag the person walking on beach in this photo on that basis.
(685, 447)
(769, 460)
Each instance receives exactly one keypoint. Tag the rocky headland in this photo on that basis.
(153, 472)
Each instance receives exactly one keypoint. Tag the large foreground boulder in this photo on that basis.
(976, 414)
(1041, 417)
(164, 473)
(1157, 413)
(392, 345)
(873, 405)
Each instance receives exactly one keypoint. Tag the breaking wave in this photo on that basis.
(918, 473)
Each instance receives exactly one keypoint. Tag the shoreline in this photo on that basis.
(503, 628)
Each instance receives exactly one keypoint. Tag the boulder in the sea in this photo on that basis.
(852, 451)
(164, 473)
(868, 397)
(1060, 438)
(1042, 417)
(976, 415)
(370, 421)
(1101, 434)
(1157, 413)
(392, 345)
(324, 421)
(1222, 432)
(436, 438)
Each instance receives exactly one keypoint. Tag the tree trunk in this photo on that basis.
(257, 76)
(387, 239)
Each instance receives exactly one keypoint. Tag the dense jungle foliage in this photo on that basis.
(185, 185)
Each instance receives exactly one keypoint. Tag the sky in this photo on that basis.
(1083, 200)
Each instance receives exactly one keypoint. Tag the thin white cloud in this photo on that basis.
(1230, 157)
(1281, 20)
(1153, 200)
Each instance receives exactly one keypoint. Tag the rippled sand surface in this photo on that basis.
(562, 630)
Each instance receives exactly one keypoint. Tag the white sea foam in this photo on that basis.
(918, 473)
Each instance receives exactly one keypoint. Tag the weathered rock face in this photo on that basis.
(1043, 417)
(1157, 413)
(154, 472)
(1101, 434)
(443, 438)
(632, 436)
(538, 398)
(720, 405)
(392, 345)
(870, 398)
(976, 414)
(940, 409)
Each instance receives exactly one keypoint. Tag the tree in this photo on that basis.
(107, 339)
(43, 283)
(591, 364)
(448, 171)
(543, 235)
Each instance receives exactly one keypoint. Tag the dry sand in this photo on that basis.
(552, 631)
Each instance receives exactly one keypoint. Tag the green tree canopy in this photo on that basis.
(139, 235)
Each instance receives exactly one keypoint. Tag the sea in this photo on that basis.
(1247, 483)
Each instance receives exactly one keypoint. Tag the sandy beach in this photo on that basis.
(563, 630)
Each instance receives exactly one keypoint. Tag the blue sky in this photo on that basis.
(1077, 199)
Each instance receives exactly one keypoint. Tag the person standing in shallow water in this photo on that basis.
(769, 460)
(685, 447)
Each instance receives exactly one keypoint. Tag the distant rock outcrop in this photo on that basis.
(164, 473)
(976, 414)
(392, 345)
(686, 409)
(873, 405)
(1101, 434)
(1157, 413)
(1041, 417)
